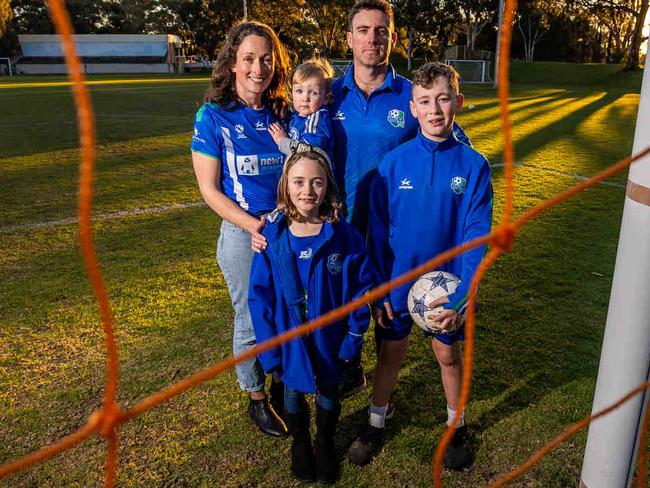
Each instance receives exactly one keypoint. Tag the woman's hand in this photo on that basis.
(447, 320)
(277, 132)
(258, 241)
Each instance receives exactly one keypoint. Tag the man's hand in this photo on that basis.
(258, 241)
(378, 314)
(446, 320)
(277, 132)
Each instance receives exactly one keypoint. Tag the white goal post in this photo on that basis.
(8, 64)
(471, 70)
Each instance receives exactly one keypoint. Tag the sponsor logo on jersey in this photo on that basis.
(339, 115)
(293, 134)
(405, 184)
(396, 118)
(305, 254)
(334, 263)
(248, 165)
(458, 184)
(197, 136)
(259, 125)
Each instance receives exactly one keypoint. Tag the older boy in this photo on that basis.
(429, 194)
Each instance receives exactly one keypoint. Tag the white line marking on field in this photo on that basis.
(570, 175)
(179, 206)
(106, 216)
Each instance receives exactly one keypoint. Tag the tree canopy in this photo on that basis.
(563, 30)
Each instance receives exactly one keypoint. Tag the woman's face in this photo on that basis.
(253, 68)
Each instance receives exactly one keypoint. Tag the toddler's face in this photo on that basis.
(309, 95)
(435, 108)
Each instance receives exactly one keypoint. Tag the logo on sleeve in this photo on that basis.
(396, 118)
(197, 136)
(334, 263)
(405, 184)
(458, 184)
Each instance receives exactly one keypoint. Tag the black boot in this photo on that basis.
(266, 419)
(302, 456)
(276, 394)
(327, 463)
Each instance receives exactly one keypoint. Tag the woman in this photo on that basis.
(238, 166)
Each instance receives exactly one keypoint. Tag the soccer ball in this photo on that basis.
(428, 288)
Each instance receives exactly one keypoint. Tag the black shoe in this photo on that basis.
(327, 463)
(276, 398)
(457, 455)
(353, 380)
(303, 466)
(366, 445)
(266, 419)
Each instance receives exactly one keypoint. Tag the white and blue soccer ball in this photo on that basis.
(427, 289)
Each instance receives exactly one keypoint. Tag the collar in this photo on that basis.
(277, 227)
(387, 85)
(433, 146)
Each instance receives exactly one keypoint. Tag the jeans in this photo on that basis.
(235, 256)
(327, 398)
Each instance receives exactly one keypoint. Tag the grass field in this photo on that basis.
(540, 324)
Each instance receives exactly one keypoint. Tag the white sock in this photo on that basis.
(377, 416)
(451, 415)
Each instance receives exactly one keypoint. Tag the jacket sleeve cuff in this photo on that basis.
(351, 346)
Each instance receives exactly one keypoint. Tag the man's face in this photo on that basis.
(435, 108)
(371, 38)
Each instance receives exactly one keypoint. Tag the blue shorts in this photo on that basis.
(400, 327)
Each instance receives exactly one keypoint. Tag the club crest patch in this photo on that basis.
(334, 263)
(458, 184)
(396, 118)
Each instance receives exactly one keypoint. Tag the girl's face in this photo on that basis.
(307, 184)
(309, 95)
(253, 68)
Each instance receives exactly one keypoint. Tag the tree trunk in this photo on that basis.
(409, 50)
(632, 63)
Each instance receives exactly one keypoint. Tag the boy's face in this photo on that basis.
(435, 108)
(309, 95)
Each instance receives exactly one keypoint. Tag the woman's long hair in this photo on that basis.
(223, 91)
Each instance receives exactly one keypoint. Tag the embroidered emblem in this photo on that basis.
(239, 128)
(396, 118)
(259, 125)
(305, 254)
(458, 184)
(334, 263)
(339, 115)
(405, 184)
(293, 134)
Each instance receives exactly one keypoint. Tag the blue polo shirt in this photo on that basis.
(251, 163)
(365, 130)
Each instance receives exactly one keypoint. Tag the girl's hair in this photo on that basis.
(316, 67)
(223, 91)
(330, 208)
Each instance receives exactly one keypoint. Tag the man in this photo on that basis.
(370, 117)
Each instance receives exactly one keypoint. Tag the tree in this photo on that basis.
(533, 22)
(330, 18)
(475, 15)
(6, 14)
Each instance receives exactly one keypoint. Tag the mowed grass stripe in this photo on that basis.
(6, 86)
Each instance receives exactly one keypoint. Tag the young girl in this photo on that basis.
(313, 263)
(311, 93)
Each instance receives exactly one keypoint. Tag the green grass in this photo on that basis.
(540, 324)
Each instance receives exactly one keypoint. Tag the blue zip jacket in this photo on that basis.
(426, 198)
(340, 271)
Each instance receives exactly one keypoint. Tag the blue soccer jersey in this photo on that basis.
(365, 130)
(251, 164)
(314, 129)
